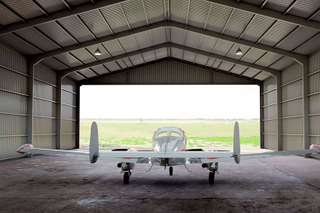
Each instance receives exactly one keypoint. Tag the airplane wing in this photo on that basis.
(134, 156)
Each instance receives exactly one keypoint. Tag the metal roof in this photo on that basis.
(55, 28)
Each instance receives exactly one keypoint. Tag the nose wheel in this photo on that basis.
(211, 177)
(170, 170)
(126, 176)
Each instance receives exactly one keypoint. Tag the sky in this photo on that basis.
(170, 101)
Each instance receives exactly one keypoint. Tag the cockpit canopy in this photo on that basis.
(169, 131)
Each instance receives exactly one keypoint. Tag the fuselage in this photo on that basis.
(169, 139)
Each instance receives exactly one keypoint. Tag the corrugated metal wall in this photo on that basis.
(69, 114)
(45, 105)
(292, 108)
(269, 108)
(314, 97)
(13, 102)
(170, 72)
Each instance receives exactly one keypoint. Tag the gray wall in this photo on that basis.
(45, 106)
(13, 106)
(170, 72)
(69, 114)
(13, 102)
(314, 98)
(291, 110)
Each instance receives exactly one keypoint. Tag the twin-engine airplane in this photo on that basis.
(169, 149)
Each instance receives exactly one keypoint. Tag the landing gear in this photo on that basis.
(170, 170)
(126, 176)
(211, 177)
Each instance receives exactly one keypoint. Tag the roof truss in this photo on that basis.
(88, 81)
(99, 4)
(297, 57)
(63, 73)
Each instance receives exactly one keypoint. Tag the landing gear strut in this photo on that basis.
(211, 177)
(126, 176)
(170, 170)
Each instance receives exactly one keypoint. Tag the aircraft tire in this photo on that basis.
(170, 170)
(211, 177)
(126, 177)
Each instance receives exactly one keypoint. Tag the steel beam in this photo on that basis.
(59, 111)
(246, 27)
(263, 4)
(279, 113)
(40, 7)
(66, 31)
(290, 7)
(261, 116)
(305, 101)
(88, 82)
(86, 26)
(166, 45)
(181, 26)
(67, 4)
(48, 38)
(13, 11)
(145, 12)
(29, 43)
(205, 24)
(313, 14)
(228, 3)
(125, 16)
(227, 22)
(268, 13)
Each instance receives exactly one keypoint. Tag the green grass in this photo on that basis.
(208, 134)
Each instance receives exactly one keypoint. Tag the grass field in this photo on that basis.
(202, 134)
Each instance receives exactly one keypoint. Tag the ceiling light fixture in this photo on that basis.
(239, 51)
(97, 52)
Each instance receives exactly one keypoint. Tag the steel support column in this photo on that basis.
(305, 101)
(78, 116)
(59, 110)
(30, 106)
(261, 117)
(279, 113)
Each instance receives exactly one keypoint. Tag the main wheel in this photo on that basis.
(211, 177)
(126, 177)
(170, 170)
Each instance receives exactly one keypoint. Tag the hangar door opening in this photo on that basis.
(128, 115)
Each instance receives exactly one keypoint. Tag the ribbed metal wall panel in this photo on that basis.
(44, 126)
(43, 90)
(293, 90)
(8, 147)
(13, 102)
(69, 117)
(13, 125)
(170, 72)
(270, 122)
(69, 141)
(12, 60)
(314, 97)
(68, 126)
(45, 106)
(270, 98)
(292, 106)
(43, 73)
(292, 142)
(270, 141)
(45, 141)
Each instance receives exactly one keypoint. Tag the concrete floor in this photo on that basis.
(62, 184)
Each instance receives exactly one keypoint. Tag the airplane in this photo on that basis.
(168, 149)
